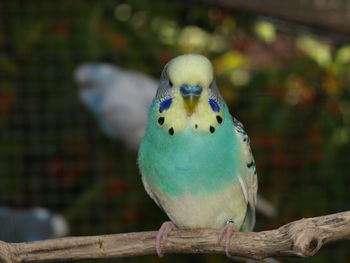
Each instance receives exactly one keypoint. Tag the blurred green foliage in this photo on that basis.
(291, 92)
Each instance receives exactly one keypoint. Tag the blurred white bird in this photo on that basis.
(118, 98)
(24, 225)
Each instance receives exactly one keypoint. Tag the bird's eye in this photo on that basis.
(170, 83)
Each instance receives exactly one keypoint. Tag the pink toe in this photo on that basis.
(162, 234)
(226, 235)
(221, 234)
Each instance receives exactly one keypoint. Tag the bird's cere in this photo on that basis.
(190, 96)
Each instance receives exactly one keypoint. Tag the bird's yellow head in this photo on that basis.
(188, 97)
(190, 74)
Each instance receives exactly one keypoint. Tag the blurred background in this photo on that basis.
(283, 68)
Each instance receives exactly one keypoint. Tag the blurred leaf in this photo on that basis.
(229, 61)
(265, 31)
(317, 50)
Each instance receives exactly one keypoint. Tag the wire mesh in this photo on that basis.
(52, 153)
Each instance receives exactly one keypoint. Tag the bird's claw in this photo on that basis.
(163, 232)
(226, 234)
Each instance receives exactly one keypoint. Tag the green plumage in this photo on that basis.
(191, 161)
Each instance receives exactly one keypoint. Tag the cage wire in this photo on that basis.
(53, 154)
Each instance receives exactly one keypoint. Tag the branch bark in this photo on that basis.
(302, 238)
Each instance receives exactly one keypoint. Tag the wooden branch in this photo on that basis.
(329, 18)
(334, 18)
(302, 238)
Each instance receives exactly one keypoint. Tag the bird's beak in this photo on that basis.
(190, 95)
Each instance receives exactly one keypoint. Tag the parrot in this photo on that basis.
(195, 159)
(32, 224)
(119, 99)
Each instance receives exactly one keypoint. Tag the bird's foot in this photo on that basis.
(226, 234)
(163, 232)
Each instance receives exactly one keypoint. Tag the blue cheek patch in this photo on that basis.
(214, 105)
(165, 104)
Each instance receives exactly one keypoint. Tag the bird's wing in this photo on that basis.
(247, 176)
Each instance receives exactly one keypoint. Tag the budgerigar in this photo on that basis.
(24, 225)
(195, 159)
(118, 98)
